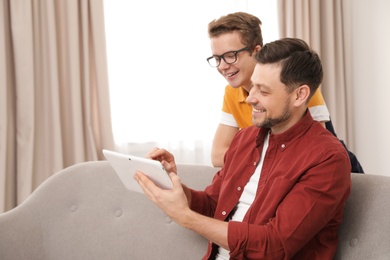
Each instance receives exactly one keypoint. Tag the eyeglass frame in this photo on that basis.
(221, 57)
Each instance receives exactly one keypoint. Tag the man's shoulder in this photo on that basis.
(323, 139)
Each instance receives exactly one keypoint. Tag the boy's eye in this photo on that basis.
(230, 55)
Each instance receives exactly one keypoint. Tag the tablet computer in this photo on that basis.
(125, 167)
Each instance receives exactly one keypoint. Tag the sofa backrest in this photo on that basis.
(365, 231)
(85, 212)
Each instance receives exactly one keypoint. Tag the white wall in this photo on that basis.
(371, 83)
(159, 76)
(371, 68)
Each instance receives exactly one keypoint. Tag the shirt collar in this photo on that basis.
(242, 95)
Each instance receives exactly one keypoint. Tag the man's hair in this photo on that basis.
(300, 65)
(247, 25)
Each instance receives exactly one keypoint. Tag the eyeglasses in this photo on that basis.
(229, 57)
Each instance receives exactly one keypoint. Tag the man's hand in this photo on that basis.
(166, 158)
(173, 202)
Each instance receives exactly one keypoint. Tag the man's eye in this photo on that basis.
(263, 92)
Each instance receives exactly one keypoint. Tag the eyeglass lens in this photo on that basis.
(229, 57)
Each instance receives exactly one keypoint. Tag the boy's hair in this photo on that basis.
(300, 64)
(247, 25)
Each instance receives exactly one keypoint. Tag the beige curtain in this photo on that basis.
(325, 25)
(54, 97)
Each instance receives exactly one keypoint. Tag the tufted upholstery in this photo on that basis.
(84, 212)
(365, 232)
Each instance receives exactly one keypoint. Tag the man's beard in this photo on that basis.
(271, 122)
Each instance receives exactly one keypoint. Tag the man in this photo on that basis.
(285, 181)
(235, 38)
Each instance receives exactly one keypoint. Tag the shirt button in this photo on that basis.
(254, 163)
(224, 213)
(283, 146)
(238, 188)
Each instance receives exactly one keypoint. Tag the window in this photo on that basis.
(162, 90)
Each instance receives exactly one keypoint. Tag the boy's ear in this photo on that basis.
(256, 50)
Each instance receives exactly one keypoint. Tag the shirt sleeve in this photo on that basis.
(320, 113)
(317, 106)
(228, 119)
(205, 202)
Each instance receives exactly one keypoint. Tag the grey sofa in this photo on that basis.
(84, 212)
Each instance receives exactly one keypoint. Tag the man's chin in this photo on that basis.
(258, 123)
(263, 123)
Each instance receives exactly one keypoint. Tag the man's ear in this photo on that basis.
(302, 95)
